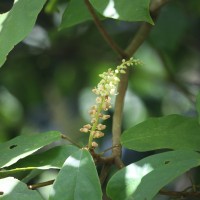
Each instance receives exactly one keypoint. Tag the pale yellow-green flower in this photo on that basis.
(105, 88)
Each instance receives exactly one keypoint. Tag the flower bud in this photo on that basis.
(93, 120)
(101, 127)
(104, 117)
(98, 134)
(84, 130)
(98, 100)
(88, 126)
(94, 145)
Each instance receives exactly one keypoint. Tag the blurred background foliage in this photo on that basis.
(46, 81)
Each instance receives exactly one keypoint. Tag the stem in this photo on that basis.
(108, 149)
(43, 184)
(70, 140)
(137, 40)
(104, 173)
(113, 45)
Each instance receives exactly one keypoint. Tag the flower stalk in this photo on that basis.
(106, 88)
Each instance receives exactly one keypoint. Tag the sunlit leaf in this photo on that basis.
(16, 24)
(22, 146)
(126, 10)
(15, 189)
(143, 179)
(173, 132)
(53, 158)
(78, 179)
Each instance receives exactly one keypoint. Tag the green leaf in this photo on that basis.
(14, 189)
(150, 175)
(198, 105)
(53, 158)
(16, 24)
(51, 6)
(172, 132)
(78, 179)
(75, 13)
(126, 10)
(23, 146)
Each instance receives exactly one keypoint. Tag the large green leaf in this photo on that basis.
(16, 24)
(22, 146)
(75, 13)
(143, 179)
(173, 132)
(126, 10)
(78, 179)
(53, 158)
(14, 189)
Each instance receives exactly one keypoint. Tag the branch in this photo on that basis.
(137, 40)
(113, 45)
(179, 194)
(145, 28)
(117, 117)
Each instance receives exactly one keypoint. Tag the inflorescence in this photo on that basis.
(105, 88)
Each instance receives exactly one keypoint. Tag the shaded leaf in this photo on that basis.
(198, 105)
(30, 176)
(16, 24)
(15, 189)
(78, 179)
(150, 175)
(173, 132)
(163, 35)
(128, 10)
(75, 13)
(23, 146)
(53, 158)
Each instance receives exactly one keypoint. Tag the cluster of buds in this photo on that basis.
(105, 88)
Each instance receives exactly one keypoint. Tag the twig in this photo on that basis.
(1, 193)
(108, 149)
(39, 185)
(179, 194)
(113, 45)
(145, 28)
(70, 140)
